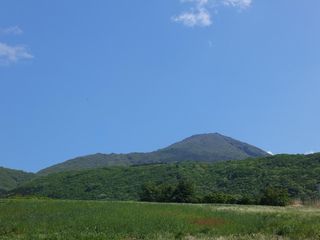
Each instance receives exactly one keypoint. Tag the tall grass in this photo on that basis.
(49, 219)
(312, 203)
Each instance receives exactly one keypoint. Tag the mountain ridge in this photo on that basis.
(209, 147)
(11, 178)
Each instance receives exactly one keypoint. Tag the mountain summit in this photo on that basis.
(213, 147)
(210, 147)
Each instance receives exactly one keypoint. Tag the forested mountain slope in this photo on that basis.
(299, 174)
(10, 178)
(204, 147)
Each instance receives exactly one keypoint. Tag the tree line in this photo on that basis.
(184, 192)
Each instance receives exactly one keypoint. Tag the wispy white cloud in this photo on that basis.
(238, 3)
(200, 13)
(13, 30)
(200, 17)
(11, 54)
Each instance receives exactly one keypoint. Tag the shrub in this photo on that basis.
(217, 198)
(224, 198)
(275, 197)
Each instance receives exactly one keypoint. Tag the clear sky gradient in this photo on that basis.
(80, 77)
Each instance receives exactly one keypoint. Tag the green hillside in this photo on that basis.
(10, 179)
(204, 147)
(299, 174)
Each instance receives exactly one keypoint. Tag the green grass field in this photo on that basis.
(51, 219)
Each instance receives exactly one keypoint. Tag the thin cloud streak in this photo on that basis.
(13, 30)
(238, 3)
(200, 15)
(12, 54)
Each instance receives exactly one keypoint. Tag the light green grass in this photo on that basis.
(50, 219)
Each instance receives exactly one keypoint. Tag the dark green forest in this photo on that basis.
(10, 178)
(298, 175)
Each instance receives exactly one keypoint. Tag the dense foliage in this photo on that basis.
(10, 179)
(183, 192)
(224, 198)
(275, 197)
(203, 147)
(299, 175)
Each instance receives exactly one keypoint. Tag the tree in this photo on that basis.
(150, 192)
(166, 193)
(275, 197)
(184, 192)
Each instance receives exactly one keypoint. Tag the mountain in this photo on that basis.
(210, 147)
(10, 178)
(299, 174)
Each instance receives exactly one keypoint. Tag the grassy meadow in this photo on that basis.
(56, 219)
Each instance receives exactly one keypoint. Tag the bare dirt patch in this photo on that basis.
(212, 222)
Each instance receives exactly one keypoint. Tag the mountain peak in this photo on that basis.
(208, 147)
(215, 146)
(206, 136)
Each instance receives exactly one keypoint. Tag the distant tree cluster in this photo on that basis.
(184, 192)
(272, 196)
(181, 193)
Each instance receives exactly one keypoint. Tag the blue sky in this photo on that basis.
(80, 77)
